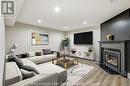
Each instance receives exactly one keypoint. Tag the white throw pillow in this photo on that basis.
(31, 54)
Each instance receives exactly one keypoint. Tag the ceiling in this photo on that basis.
(72, 12)
(11, 19)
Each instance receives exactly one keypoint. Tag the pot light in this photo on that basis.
(57, 9)
(39, 21)
(85, 22)
(66, 27)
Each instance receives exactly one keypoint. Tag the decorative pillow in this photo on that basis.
(38, 53)
(27, 74)
(18, 61)
(46, 51)
(19, 56)
(23, 55)
(29, 68)
(31, 54)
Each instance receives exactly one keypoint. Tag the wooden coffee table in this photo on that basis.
(66, 62)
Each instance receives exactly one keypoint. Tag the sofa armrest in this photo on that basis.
(12, 74)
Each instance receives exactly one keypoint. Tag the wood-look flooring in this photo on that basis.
(99, 77)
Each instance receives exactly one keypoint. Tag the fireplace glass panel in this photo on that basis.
(112, 57)
(112, 60)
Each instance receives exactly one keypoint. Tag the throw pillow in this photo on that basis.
(38, 54)
(30, 68)
(27, 74)
(31, 54)
(25, 55)
(47, 51)
(18, 61)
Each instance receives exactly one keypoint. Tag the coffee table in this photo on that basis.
(66, 62)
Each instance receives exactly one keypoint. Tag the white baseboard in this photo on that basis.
(129, 76)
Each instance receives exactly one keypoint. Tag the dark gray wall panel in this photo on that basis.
(119, 26)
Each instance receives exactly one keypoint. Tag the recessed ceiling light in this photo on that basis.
(57, 9)
(66, 27)
(85, 22)
(39, 21)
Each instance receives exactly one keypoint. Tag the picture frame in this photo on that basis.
(40, 39)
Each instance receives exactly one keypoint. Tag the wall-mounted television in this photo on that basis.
(83, 38)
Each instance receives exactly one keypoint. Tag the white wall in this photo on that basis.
(2, 47)
(82, 48)
(21, 34)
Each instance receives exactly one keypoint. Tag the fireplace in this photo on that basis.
(112, 59)
(114, 56)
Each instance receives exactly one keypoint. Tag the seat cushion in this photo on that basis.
(49, 68)
(42, 59)
(49, 57)
(37, 59)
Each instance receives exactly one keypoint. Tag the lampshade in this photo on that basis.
(12, 50)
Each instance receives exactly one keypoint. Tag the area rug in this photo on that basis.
(75, 73)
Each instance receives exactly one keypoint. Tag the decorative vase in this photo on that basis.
(110, 37)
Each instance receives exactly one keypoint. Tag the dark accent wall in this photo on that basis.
(119, 26)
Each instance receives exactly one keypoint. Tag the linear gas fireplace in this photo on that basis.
(114, 55)
(112, 58)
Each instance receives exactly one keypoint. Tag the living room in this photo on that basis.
(45, 44)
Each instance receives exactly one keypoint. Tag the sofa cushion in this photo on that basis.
(30, 68)
(29, 65)
(37, 59)
(42, 59)
(31, 54)
(50, 56)
(27, 74)
(47, 51)
(38, 53)
(25, 55)
(48, 68)
(12, 73)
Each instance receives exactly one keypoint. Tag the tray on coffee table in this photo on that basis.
(66, 62)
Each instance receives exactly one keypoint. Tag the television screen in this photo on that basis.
(83, 38)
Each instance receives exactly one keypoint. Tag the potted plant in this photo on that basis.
(89, 51)
(66, 42)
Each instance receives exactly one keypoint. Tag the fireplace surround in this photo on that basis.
(114, 56)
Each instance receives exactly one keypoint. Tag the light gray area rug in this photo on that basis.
(75, 73)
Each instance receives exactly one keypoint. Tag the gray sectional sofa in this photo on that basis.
(49, 74)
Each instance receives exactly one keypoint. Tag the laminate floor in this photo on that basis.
(99, 77)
